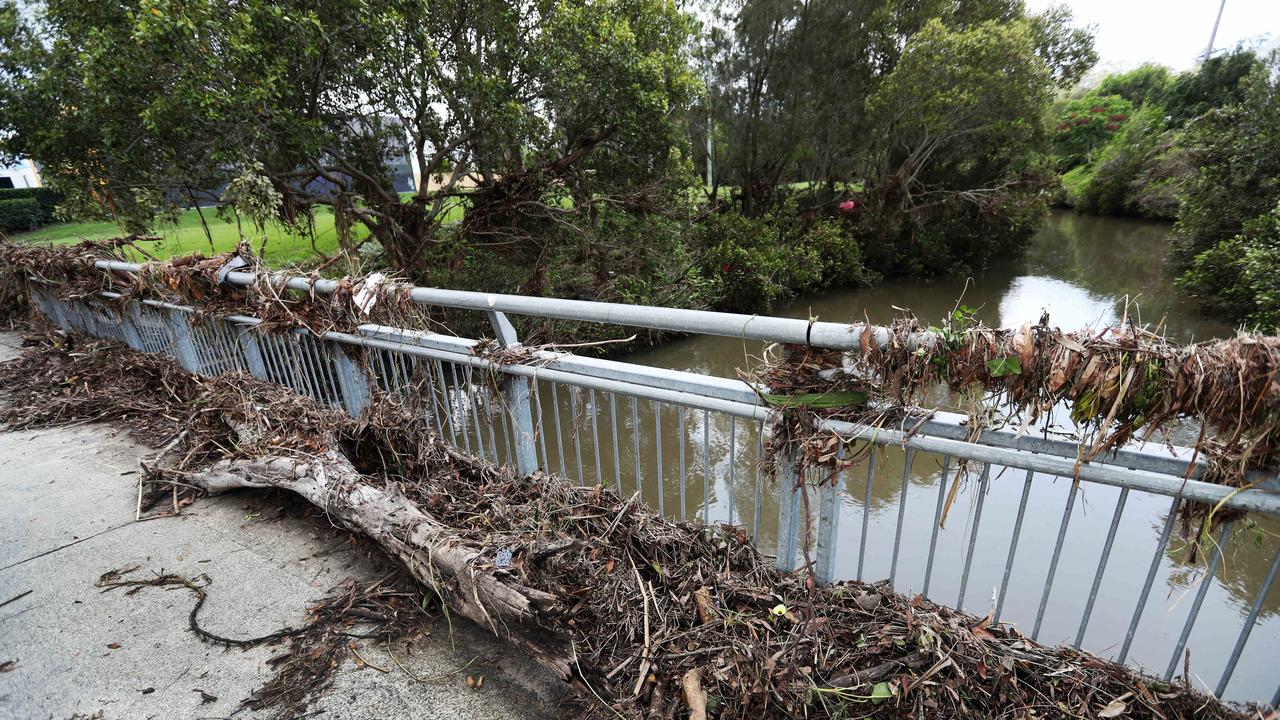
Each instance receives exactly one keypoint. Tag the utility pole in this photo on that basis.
(711, 149)
(1208, 52)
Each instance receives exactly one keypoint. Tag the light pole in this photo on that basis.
(1213, 35)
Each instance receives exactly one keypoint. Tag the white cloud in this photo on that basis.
(1170, 32)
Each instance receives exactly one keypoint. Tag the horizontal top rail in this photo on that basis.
(837, 336)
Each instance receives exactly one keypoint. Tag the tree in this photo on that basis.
(791, 79)
(1225, 241)
(959, 139)
(1143, 83)
(1085, 124)
(1215, 83)
(129, 106)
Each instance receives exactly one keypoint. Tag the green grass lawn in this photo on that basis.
(1075, 180)
(186, 236)
(283, 248)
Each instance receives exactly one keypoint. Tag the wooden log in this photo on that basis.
(462, 574)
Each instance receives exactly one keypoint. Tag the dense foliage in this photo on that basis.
(917, 123)
(559, 143)
(1202, 148)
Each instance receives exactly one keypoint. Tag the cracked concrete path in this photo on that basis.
(67, 515)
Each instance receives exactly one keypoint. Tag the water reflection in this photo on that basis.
(692, 464)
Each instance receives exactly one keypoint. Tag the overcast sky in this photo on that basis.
(1170, 32)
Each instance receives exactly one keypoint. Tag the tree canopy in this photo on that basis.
(128, 104)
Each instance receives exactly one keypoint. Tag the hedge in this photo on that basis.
(48, 200)
(20, 214)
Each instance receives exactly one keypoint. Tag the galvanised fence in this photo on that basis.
(1081, 553)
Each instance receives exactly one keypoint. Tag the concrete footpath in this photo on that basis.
(67, 504)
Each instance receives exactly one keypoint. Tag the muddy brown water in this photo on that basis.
(1083, 271)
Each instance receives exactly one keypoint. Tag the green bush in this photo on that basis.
(47, 199)
(1237, 277)
(1235, 156)
(19, 214)
(758, 261)
(1130, 175)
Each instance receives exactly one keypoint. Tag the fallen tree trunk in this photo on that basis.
(434, 554)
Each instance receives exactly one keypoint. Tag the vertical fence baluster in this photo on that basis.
(485, 398)
(1249, 623)
(575, 397)
(542, 425)
(1102, 564)
(617, 456)
(867, 506)
(902, 510)
(759, 472)
(657, 439)
(706, 466)
(1053, 562)
(684, 481)
(555, 405)
(973, 533)
(733, 431)
(595, 436)
(1215, 557)
(1013, 547)
(635, 443)
(937, 521)
(1151, 576)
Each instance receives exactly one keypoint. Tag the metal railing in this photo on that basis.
(691, 446)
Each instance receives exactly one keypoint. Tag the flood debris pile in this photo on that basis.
(640, 615)
(69, 272)
(1120, 383)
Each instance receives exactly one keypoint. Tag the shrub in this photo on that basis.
(753, 261)
(1126, 176)
(1235, 153)
(19, 214)
(47, 199)
(1237, 277)
(758, 261)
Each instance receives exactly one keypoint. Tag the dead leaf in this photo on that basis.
(1115, 708)
(706, 607)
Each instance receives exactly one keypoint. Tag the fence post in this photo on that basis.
(184, 346)
(352, 380)
(132, 335)
(515, 393)
(50, 307)
(788, 511)
(252, 352)
(828, 524)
